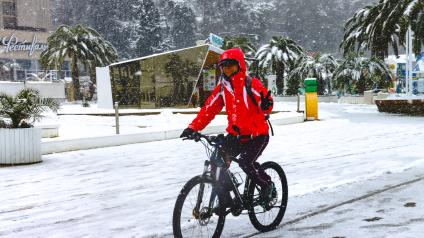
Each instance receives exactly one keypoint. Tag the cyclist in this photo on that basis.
(248, 105)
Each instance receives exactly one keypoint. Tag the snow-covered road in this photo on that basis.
(129, 191)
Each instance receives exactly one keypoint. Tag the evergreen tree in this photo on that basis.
(112, 20)
(184, 27)
(167, 15)
(149, 31)
(223, 17)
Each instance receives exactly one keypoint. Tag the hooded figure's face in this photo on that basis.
(230, 70)
(229, 67)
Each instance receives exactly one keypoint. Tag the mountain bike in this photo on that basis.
(199, 210)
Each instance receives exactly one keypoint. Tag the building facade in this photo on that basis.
(180, 78)
(25, 26)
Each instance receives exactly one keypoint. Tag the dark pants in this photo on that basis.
(249, 151)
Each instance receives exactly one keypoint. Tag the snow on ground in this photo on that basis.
(130, 191)
(396, 213)
(405, 97)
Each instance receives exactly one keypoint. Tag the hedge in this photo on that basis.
(401, 106)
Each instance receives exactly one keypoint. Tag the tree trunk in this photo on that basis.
(75, 78)
(93, 79)
(280, 79)
(16, 122)
(321, 86)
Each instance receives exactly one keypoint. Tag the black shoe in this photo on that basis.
(268, 193)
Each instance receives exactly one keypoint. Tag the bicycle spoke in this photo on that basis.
(205, 223)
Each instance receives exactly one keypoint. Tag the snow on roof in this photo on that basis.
(400, 59)
(211, 48)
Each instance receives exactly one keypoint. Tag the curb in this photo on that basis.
(66, 145)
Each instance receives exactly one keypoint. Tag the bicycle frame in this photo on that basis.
(216, 161)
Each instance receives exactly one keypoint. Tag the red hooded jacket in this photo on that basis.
(241, 111)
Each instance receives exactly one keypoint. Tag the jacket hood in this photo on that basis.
(236, 54)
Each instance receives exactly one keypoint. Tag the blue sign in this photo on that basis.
(420, 61)
(415, 87)
(401, 70)
(216, 40)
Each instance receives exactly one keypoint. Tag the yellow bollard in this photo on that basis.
(311, 104)
(311, 99)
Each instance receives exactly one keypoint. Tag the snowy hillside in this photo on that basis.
(142, 27)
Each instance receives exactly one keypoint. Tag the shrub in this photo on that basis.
(24, 109)
(401, 106)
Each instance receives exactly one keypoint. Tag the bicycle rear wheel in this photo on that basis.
(266, 217)
(187, 221)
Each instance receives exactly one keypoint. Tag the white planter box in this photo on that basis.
(20, 146)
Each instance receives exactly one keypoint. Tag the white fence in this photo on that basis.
(47, 89)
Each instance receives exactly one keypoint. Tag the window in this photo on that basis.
(9, 15)
(9, 8)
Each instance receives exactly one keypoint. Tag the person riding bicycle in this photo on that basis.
(248, 105)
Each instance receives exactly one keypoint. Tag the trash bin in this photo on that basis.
(311, 99)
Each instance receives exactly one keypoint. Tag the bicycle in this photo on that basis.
(199, 204)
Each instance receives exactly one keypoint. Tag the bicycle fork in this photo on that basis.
(196, 210)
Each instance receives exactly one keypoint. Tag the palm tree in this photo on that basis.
(277, 56)
(81, 45)
(241, 42)
(3, 66)
(383, 25)
(359, 70)
(319, 66)
(27, 105)
(415, 16)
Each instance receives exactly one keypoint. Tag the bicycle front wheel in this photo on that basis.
(266, 217)
(194, 211)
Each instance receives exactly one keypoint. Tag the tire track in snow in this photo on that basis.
(328, 208)
(346, 155)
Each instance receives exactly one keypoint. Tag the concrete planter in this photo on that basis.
(20, 146)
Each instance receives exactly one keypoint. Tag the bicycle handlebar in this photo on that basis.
(212, 140)
(198, 136)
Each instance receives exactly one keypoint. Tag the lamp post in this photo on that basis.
(117, 117)
(409, 61)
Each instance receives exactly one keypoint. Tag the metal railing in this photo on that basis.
(20, 75)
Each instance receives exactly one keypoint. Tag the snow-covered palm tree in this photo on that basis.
(414, 13)
(383, 25)
(3, 66)
(356, 68)
(241, 42)
(81, 45)
(319, 66)
(277, 56)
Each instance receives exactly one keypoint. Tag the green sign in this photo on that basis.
(311, 85)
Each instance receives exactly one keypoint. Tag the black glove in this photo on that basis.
(188, 133)
(231, 140)
(266, 102)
